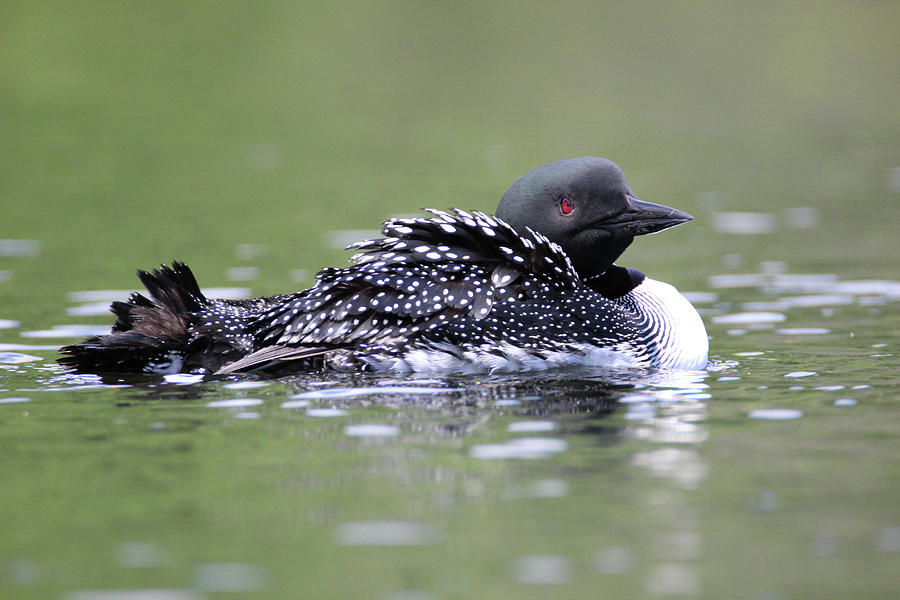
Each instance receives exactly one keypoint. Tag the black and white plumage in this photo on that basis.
(533, 288)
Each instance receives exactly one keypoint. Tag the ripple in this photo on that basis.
(140, 594)
(521, 448)
(749, 317)
(12, 247)
(19, 400)
(229, 577)
(330, 393)
(245, 385)
(295, 404)
(16, 358)
(542, 569)
(371, 430)
(799, 374)
(67, 331)
(326, 412)
(530, 426)
(386, 533)
(242, 273)
(803, 331)
(775, 414)
(182, 378)
(234, 403)
(744, 223)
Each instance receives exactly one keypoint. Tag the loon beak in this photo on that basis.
(641, 217)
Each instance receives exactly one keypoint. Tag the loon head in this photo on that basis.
(585, 206)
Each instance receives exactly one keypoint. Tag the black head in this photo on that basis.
(585, 206)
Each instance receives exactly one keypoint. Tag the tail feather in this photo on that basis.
(146, 332)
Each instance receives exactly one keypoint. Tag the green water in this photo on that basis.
(137, 133)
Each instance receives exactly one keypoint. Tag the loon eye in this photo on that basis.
(566, 206)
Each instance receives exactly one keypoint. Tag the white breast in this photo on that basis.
(675, 323)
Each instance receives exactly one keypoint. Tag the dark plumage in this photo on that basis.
(460, 291)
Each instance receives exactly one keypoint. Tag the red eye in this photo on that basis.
(566, 206)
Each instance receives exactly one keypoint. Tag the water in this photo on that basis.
(253, 144)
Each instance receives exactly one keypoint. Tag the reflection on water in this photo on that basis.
(371, 462)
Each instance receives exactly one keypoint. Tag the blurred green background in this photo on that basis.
(133, 133)
(138, 132)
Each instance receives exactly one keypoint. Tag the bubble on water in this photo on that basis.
(371, 430)
(728, 378)
(386, 533)
(744, 318)
(744, 223)
(234, 403)
(542, 569)
(245, 385)
(845, 402)
(530, 426)
(614, 560)
(775, 414)
(828, 388)
(326, 412)
(520, 448)
(799, 374)
(229, 577)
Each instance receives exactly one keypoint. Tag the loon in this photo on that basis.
(531, 288)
